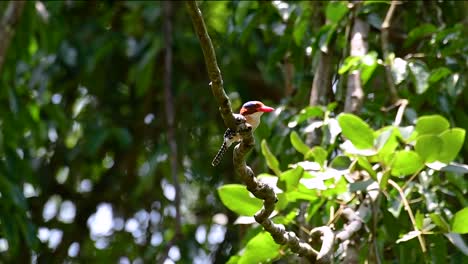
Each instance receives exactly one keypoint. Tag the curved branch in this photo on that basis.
(328, 237)
(211, 64)
(266, 193)
(257, 188)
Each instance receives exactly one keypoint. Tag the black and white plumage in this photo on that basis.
(250, 113)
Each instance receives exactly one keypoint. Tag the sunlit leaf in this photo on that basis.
(410, 235)
(383, 179)
(350, 63)
(335, 11)
(431, 124)
(406, 162)
(387, 141)
(319, 155)
(260, 249)
(356, 130)
(365, 164)
(298, 144)
(419, 217)
(460, 220)
(305, 114)
(452, 143)
(239, 200)
(428, 147)
(340, 162)
(291, 177)
(368, 66)
(271, 160)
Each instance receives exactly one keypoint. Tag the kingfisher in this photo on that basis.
(251, 113)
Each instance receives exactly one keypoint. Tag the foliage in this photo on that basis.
(372, 158)
(83, 131)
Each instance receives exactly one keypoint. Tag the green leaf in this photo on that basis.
(300, 27)
(420, 76)
(357, 131)
(460, 221)
(306, 113)
(340, 163)
(335, 188)
(431, 124)
(428, 147)
(292, 177)
(387, 141)
(335, 11)
(360, 185)
(383, 180)
(440, 222)
(452, 143)
(260, 249)
(419, 32)
(408, 236)
(233, 259)
(365, 164)
(239, 200)
(319, 155)
(298, 144)
(271, 160)
(419, 218)
(406, 162)
(438, 74)
(301, 195)
(368, 66)
(350, 63)
(324, 36)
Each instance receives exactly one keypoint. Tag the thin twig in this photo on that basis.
(411, 178)
(410, 214)
(386, 50)
(401, 110)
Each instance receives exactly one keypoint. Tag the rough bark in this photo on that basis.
(359, 47)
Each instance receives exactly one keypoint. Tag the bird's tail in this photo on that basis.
(217, 159)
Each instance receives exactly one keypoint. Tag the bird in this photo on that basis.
(250, 112)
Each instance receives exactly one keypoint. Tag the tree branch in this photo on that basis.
(171, 138)
(354, 91)
(257, 188)
(7, 27)
(266, 193)
(211, 64)
(410, 214)
(386, 51)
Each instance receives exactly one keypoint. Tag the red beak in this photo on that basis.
(266, 109)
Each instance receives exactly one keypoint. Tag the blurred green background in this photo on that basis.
(85, 142)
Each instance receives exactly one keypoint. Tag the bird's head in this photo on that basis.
(253, 110)
(252, 107)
